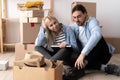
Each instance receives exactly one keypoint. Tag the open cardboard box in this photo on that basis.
(38, 73)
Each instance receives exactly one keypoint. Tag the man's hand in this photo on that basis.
(80, 61)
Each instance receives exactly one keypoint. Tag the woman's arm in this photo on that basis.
(41, 38)
(72, 39)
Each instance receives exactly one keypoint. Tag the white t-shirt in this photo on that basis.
(82, 35)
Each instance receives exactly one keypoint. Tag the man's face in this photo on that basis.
(78, 17)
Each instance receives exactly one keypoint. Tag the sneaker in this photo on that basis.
(66, 69)
(113, 69)
(74, 74)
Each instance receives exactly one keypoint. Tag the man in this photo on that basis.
(94, 52)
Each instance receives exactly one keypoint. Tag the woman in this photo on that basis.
(55, 40)
(94, 52)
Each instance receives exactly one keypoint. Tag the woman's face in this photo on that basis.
(54, 25)
(78, 17)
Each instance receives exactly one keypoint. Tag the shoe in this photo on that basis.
(66, 69)
(74, 74)
(113, 69)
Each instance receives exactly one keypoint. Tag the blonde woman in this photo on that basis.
(55, 40)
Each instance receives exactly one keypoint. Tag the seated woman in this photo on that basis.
(54, 33)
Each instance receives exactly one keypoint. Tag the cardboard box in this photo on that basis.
(28, 32)
(24, 20)
(35, 20)
(4, 65)
(21, 49)
(115, 42)
(34, 13)
(38, 73)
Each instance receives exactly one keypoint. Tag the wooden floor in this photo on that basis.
(91, 75)
(7, 74)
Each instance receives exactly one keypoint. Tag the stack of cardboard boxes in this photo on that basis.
(30, 23)
(29, 27)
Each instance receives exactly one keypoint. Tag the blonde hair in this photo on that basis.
(50, 35)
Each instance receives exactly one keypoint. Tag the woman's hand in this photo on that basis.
(62, 45)
(80, 61)
(43, 24)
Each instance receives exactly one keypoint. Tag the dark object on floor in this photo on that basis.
(53, 63)
(113, 69)
(74, 74)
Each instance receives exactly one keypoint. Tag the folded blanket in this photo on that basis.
(34, 4)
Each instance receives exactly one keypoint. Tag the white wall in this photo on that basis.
(107, 12)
